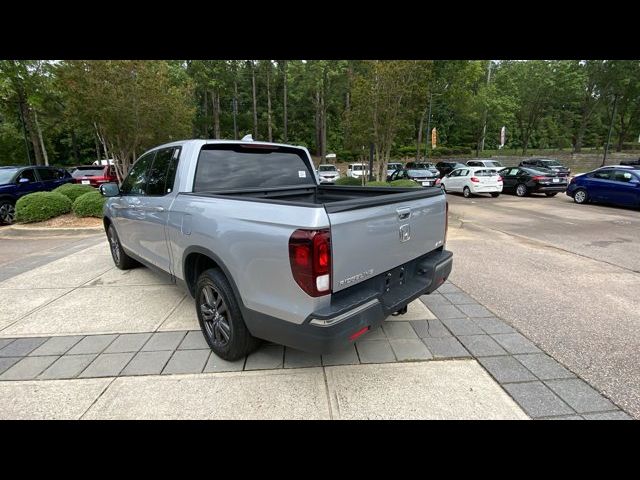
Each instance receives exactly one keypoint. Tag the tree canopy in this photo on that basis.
(74, 112)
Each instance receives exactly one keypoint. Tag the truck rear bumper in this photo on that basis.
(357, 310)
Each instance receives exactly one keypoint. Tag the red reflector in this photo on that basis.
(359, 333)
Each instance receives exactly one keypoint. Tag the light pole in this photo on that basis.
(428, 140)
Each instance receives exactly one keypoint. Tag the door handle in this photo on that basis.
(403, 213)
(151, 209)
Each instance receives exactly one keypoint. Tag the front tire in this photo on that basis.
(220, 317)
(7, 212)
(522, 190)
(120, 258)
(466, 192)
(580, 196)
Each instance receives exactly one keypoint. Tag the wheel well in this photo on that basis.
(106, 223)
(194, 265)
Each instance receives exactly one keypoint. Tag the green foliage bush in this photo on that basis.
(89, 205)
(40, 206)
(74, 190)
(377, 184)
(404, 183)
(349, 181)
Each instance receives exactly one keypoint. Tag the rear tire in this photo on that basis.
(220, 317)
(495, 195)
(522, 190)
(7, 212)
(580, 196)
(466, 192)
(551, 194)
(120, 258)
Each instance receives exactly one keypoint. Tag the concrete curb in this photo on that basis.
(22, 231)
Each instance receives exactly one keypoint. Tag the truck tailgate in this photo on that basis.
(366, 242)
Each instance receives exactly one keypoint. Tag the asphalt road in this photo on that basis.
(566, 275)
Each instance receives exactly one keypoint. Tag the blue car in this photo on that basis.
(616, 185)
(18, 181)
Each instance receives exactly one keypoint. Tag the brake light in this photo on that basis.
(499, 179)
(310, 259)
(446, 221)
(437, 181)
(475, 179)
(538, 178)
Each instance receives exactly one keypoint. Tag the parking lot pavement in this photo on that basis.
(449, 357)
(565, 275)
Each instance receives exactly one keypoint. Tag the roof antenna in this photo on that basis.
(247, 138)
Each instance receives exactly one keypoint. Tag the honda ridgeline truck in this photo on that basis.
(267, 252)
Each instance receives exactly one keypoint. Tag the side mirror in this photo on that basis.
(109, 189)
(24, 180)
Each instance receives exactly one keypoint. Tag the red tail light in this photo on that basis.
(446, 222)
(499, 179)
(538, 178)
(475, 179)
(437, 181)
(310, 258)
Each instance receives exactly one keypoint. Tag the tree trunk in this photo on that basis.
(255, 106)
(41, 141)
(74, 147)
(205, 124)
(269, 127)
(580, 136)
(284, 66)
(419, 142)
(33, 135)
(318, 127)
(215, 103)
(235, 109)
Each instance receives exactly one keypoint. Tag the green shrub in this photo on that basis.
(349, 181)
(89, 205)
(377, 184)
(74, 190)
(40, 206)
(404, 183)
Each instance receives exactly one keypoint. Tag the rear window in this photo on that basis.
(87, 172)
(485, 173)
(491, 163)
(222, 167)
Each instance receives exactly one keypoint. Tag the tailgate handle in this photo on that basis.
(404, 213)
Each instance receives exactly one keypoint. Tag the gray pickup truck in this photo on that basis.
(266, 252)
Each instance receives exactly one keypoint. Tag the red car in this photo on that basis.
(94, 175)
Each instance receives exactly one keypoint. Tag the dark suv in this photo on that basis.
(447, 167)
(547, 163)
(18, 181)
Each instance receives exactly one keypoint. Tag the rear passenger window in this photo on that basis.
(47, 174)
(620, 176)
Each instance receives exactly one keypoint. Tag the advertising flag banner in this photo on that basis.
(433, 138)
(502, 136)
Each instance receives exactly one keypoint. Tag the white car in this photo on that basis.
(492, 164)
(472, 181)
(356, 170)
(328, 173)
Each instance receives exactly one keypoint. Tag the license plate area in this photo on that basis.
(86, 182)
(395, 278)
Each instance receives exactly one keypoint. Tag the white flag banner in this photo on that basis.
(502, 136)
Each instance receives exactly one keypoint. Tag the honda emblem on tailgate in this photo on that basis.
(405, 232)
